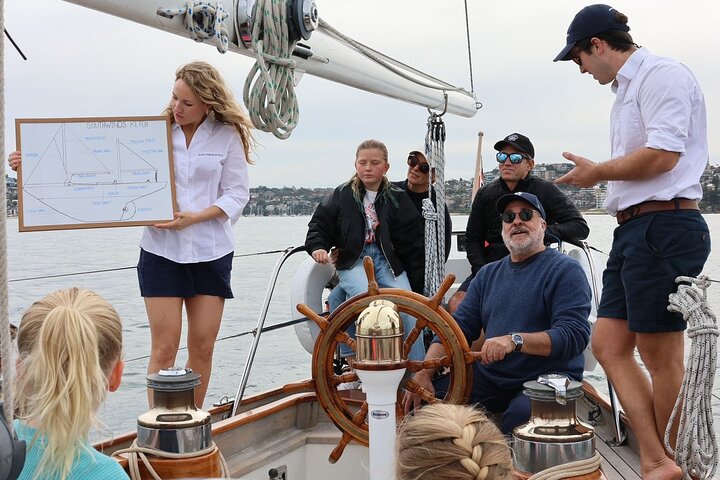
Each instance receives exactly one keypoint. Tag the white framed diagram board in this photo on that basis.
(94, 172)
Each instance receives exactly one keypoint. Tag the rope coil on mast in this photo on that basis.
(270, 98)
(696, 449)
(203, 20)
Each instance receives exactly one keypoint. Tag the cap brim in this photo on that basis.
(564, 55)
(418, 152)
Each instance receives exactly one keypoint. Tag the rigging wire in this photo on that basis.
(117, 269)
(17, 47)
(381, 60)
(253, 331)
(467, 30)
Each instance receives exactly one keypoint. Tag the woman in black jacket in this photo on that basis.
(368, 216)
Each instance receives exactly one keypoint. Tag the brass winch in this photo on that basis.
(174, 424)
(379, 332)
(553, 435)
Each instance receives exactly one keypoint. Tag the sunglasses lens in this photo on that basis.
(424, 167)
(516, 158)
(501, 157)
(412, 161)
(508, 217)
(526, 215)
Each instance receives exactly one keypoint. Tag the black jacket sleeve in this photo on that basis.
(565, 222)
(475, 234)
(322, 228)
(408, 239)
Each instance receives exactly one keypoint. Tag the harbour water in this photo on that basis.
(32, 257)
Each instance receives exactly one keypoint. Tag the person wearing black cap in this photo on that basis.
(417, 185)
(483, 240)
(659, 151)
(533, 306)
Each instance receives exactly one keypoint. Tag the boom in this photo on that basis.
(323, 54)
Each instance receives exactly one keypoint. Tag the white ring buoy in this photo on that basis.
(308, 286)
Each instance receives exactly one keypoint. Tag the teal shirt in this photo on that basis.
(89, 463)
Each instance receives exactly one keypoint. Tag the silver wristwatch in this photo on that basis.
(517, 339)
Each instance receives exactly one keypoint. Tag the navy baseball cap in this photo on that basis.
(519, 141)
(588, 22)
(526, 197)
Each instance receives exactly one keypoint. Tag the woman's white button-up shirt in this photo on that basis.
(211, 171)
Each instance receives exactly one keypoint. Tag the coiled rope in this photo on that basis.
(136, 454)
(570, 469)
(435, 214)
(269, 91)
(696, 449)
(203, 20)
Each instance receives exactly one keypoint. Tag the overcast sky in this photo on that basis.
(86, 63)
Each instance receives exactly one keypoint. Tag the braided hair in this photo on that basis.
(451, 442)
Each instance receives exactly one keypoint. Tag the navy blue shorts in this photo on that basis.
(648, 253)
(160, 277)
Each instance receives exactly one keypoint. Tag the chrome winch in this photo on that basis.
(553, 435)
(174, 424)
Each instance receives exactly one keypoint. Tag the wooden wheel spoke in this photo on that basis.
(412, 336)
(471, 357)
(336, 380)
(340, 448)
(319, 320)
(361, 415)
(370, 274)
(415, 387)
(435, 363)
(436, 299)
(343, 337)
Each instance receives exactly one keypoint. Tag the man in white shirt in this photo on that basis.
(659, 151)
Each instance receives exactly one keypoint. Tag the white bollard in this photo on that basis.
(380, 387)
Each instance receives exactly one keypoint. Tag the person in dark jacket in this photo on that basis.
(483, 239)
(417, 187)
(369, 216)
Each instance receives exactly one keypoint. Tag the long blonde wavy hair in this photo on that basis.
(205, 81)
(69, 343)
(451, 442)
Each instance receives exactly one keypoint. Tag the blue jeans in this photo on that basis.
(353, 281)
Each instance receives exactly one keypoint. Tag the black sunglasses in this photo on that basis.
(515, 158)
(525, 215)
(414, 162)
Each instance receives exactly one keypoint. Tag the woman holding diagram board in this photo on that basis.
(187, 261)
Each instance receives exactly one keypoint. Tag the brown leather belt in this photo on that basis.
(656, 206)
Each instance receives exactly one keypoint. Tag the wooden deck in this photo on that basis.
(621, 462)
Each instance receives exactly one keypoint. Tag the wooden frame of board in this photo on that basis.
(94, 172)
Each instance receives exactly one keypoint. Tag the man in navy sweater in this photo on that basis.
(533, 307)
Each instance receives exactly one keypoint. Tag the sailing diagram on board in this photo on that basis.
(81, 173)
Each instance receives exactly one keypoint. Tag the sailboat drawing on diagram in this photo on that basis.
(92, 178)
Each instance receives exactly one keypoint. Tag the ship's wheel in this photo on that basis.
(428, 312)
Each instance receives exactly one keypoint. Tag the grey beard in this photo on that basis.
(523, 247)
